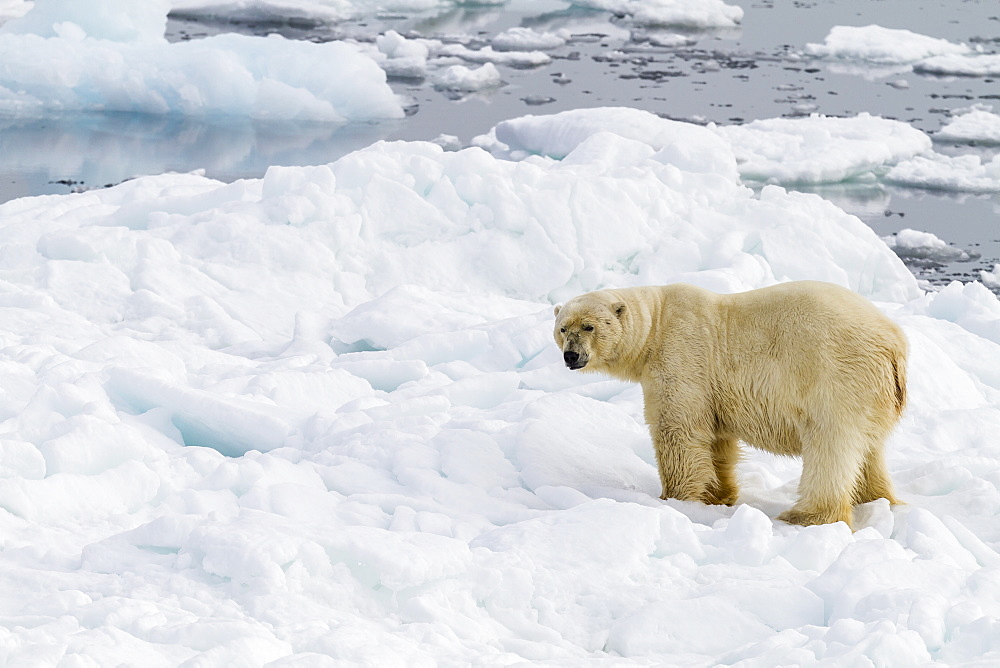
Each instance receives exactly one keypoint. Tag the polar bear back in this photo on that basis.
(767, 363)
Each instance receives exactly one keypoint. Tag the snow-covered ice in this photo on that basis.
(110, 55)
(883, 45)
(980, 126)
(12, 9)
(821, 149)
(687, 13)
(893, 47)
(462, 78)
(967, 173)
(986, 65)
(925, 247)
(991, 279)
(318, 10)
(318, 419)
(526, 39)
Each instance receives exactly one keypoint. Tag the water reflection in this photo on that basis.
(93, 150)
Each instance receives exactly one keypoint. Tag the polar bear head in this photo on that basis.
(589, 330)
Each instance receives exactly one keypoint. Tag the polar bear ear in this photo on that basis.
(555, 311)
(619, 309)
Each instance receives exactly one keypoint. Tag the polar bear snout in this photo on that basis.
(575, 360)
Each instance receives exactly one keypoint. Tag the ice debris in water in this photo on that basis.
(924, 247)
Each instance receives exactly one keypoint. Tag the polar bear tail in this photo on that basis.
(899, 373)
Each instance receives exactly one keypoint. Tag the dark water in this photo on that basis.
(725, 76)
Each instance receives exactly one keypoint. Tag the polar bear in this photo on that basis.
(803, 368)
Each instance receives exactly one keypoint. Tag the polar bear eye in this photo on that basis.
(587, 328)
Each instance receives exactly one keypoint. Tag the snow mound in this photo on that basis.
(115, 60)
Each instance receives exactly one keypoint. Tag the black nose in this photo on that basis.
(571, 358)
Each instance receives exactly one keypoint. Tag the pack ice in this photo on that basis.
(318, 419)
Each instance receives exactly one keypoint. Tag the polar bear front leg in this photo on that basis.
(684, 459)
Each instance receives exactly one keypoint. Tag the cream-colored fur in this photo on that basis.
(802, 368)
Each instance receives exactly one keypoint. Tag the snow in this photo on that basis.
(318, 418)
(90, 55)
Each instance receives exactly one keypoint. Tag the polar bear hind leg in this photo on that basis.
(874, 481)
(832, 463)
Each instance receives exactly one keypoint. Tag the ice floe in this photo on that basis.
(318, 417)
(93, 57)
(979, 126)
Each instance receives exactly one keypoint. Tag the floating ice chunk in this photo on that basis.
(320, 11)
(403, 57)
(687, 13)
(112, 20)
(526, 39)
(689, 147)
(914, 245)
(463, 79)
(13, 9)
(876, 44)
(991, 279)
(985, 65)
(980, 126)
(821, 149)
(488, 55)
(966, 173)
(669, 40)
(235, 75)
